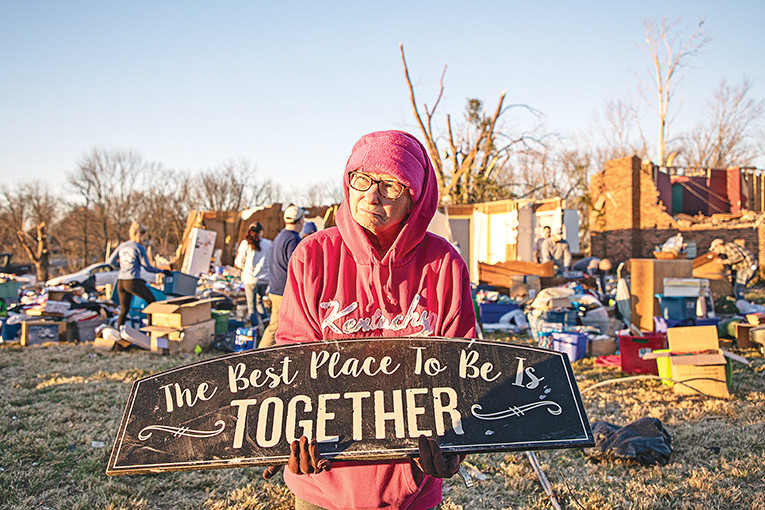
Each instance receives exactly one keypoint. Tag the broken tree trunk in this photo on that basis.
(39, 255)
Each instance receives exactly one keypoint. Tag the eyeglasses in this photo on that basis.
(387, 188)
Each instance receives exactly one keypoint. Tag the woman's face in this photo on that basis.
(376, 213)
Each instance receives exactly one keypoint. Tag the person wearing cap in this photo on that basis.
(252, 259)
(555, 248)
(309, 228)
(282, 248)
(377, 274)
(742, 264)
(130, 258)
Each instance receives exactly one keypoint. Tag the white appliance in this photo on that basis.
(199, 252)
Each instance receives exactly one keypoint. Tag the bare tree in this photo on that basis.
(164, 208)
(38, 252)
(620, 130)
(110, 181)
(329, 192)
(726, 137)
(14, 211)
(476, 151)
(669, 50)
(226, 187)
(79, 236)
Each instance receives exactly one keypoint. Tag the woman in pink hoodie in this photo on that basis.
(379, 273)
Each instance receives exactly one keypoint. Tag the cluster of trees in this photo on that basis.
(506, 152)
(111, 188)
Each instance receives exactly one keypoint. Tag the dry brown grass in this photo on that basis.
(58, 402)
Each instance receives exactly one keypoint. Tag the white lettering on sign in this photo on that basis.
(258, 378)
(440, 409)
(177, 396)
(396, 415)
(273, 419)
(424, 320)
(467, 368)
(432, 366)
(413, 410)
(276, 427)
(353, 367)
(356, 397)
(323, 416)
(306, 426)
(519, 373)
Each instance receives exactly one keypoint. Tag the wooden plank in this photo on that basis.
(362, 399)
(646, 280)
(515, 267)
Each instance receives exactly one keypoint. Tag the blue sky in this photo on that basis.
(290, 86)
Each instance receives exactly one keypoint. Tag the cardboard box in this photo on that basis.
(602, 346)
(697, 360)
(743, 332)
(39, 332)
(179, 312)
(181, 340)
(524, 285)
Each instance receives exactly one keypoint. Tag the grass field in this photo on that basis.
(60, 407)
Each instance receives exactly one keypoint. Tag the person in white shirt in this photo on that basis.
(252, 259)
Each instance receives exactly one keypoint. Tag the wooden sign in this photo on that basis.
(362, 399)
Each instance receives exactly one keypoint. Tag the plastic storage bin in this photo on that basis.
(180, 284)
(677, 307)
(221, 321)
(492, 312)
(693, 321)
(631, 348)
(573, 344)
(565, 317)
(9, 291)
(10, 331)
(83, 331)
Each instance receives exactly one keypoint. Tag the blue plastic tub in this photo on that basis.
(566, 317)
(693, 321)
(180, 284)
(677, 307)
(10, 331)
(572, 344)
(492, 312)
(234, 324)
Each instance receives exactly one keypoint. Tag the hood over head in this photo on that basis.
(402, 156)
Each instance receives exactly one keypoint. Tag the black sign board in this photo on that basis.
(361, 399)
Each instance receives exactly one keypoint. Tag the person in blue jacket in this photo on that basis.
(130, 257)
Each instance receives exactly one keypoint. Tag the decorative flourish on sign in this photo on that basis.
(182, 431)
(553, 408)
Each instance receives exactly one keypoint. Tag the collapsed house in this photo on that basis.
(638, 206)
(503, 231)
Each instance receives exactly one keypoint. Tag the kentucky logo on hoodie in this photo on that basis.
(338, 321)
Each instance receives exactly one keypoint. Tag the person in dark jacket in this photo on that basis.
(282, 247)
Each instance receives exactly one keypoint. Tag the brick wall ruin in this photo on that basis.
(629, 219)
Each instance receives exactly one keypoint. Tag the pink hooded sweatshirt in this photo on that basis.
(339, 287)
